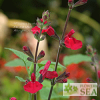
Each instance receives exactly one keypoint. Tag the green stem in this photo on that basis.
(59, 49)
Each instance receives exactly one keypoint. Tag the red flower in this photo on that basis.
(50, 31)
(13, 98)
(33, 86)
(48, 74)
(35, 29)
(71, 42)
(99, 73)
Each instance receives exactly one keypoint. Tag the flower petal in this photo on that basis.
(35, 29)
(44, 71)
(51, 74)
(33, 87)
(72, 43)
(50, 31)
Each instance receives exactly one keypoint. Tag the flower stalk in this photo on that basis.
(59, 49)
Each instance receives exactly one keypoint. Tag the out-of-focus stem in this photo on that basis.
(66, 23)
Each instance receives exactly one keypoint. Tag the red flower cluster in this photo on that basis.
(71, 42)
(49, 30)
(33, 86)
(48, 74)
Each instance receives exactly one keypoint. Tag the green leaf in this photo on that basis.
(17, 62)
(20, 78)
(20, 54)
(76, 59)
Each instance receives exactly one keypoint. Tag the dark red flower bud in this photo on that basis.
(61, 81)
(42, 53)
(27, 80)
(25, 48)
(88, 79)
(80, 2)
(64, 80)
(67, 74)
(13, 98)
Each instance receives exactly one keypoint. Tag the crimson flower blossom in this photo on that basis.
(13, 98)
(50, 31)
(71, 42)
(48, 74)
(33, 86)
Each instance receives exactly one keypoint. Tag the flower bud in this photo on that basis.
(67, 74)
(30, 59)
(45, 15)
(61, 81)
(25, 48)
(41, 55)
(13, 98)
(27, 80)
(62, 78)
(88, 79)
(80, 2)
(28, 51)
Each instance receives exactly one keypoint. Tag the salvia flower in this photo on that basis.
(71, 42)
(50, 31)
(13, 98)
(48, 74)
(33, 86)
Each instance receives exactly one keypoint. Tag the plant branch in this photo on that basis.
(59, 49)
(66, 23)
